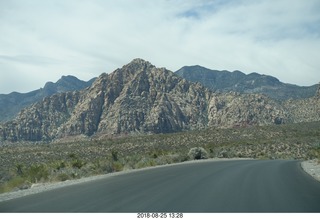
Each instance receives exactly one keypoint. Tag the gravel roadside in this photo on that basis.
(312, 167)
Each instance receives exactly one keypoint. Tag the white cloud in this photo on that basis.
(43, 40)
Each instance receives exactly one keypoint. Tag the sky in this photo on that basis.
(41, 41)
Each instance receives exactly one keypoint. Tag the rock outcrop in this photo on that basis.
(304, 110)
(140, 98)
(41, 121)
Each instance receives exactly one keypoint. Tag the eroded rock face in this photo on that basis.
(304, 110)
(233, 109)
(139, 98)
(42, 120)
(142, 98)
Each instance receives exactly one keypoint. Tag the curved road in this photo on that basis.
(224, 186)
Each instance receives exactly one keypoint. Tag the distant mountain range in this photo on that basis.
(141, 98)
(11, 104)
(237, 81)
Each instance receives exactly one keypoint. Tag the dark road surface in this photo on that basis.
(224, 186)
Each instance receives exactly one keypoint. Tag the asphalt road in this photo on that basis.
(224, 186)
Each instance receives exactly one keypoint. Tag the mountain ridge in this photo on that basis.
(11, 104)
(237, 81)
(141, 98)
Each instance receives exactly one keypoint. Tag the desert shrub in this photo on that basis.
(19, 168)
(106, 167)
(63, 177)
(176, 158)
(184, 158)
(72, 156)
(145, 162)
(78, 163)
(198, 153)
(223, 154)
(37, 172)
(117, 166)
(114, 155)
(59, 165)
(314, 153)
(172, 158)
(75, 175)
(16, 182)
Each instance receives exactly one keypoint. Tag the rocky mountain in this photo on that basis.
(141, 98)
(304, 110)
(11, 104)
(254, 83)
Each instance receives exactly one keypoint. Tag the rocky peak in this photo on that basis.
(125, 74)
(138, 65)
(139, 61)
(67, 80)
(64, 84)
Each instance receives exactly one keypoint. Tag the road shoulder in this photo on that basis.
(312, 167)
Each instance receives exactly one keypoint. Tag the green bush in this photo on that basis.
(60, 165)
(117, 166)
(37, 173)
(19, 169)
(73, 156)
(198, 153)
(63, 177)
(145, 162)
(15, 183)
(78, 163)
(114, 155)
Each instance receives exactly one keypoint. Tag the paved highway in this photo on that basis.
(223, 186)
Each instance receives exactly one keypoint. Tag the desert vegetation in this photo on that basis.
(25, 163)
